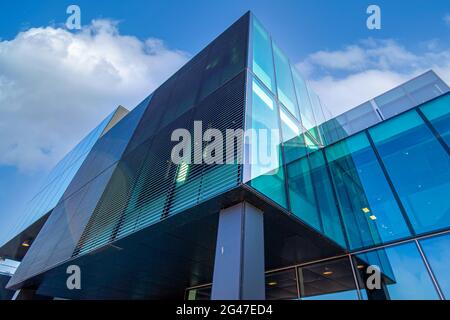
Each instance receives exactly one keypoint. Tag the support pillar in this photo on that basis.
(239, 261)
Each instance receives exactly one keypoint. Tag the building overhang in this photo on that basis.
(160, 261)
(17, 247)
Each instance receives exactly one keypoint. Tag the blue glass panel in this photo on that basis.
(438, 113)
(437, 251)
(419, 168)
(370, 213)
(403, 274)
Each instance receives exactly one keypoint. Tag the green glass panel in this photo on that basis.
(331, 221)
(293, 139)
(266, 163)
(419, 168)
(303, 202)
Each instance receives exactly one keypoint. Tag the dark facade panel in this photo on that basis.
(108, 149)
(62, 231)
(148, 187)
(222, 60)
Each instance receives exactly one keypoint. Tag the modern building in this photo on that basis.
(338, 198)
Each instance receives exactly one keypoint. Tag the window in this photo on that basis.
(281, 285)
(331, 221)
(266, 163)
(303, 202)
(438, 113)
(369, 210)
(293, 139)
(419, 168)
(306, 112)
(262, 56)
(331, 280)
(403, 274)
(285, 86)
(437, 251)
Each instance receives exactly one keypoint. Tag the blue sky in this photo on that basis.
(55, 85)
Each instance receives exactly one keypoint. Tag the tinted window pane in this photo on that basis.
(281, 285)
(419, 168)
(393, 102)
(403, 274)
(331, 221)
(438, 113)
(331, 280)
(303, 202)
(370, 212)
(285, 86)
(262, 56)
(437, 251)
(226, 58)
(266, 170)
(293, 139)
(306, 112)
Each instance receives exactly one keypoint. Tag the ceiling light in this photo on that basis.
(26, 243)
(360, 266)
(272, 283)
(372, 217)
(365, 210)
(327, 273)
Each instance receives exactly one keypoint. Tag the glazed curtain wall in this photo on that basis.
(412, 270)
(384, 184)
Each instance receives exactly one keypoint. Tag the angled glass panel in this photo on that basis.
(266, 163)
(262, 64)
(306, 111)
(329, 214)
(285, 86)
(419, 168)
(403, 274)
(438, 113)
(293, 139)
(393, 102)
(437, 252)
(425, 87)
(301, 191)
(369, 210)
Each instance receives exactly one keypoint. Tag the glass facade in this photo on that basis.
(415, 270)
(410, 94)
(60, 177)
(380, 193)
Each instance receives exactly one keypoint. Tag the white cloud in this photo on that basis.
(345, 78)
(56, 85)
(447, 19)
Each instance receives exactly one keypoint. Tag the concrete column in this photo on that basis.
(239, 261)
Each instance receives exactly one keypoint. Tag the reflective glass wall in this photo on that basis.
(385, 184)
(62, 174)
(412, 270)
(410, 94)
